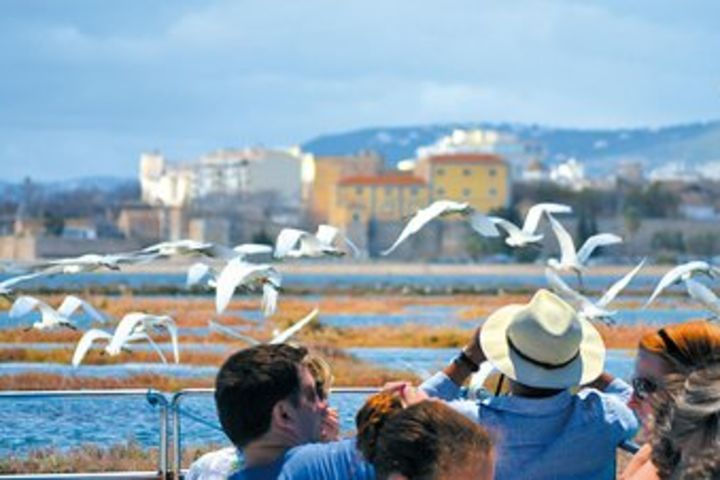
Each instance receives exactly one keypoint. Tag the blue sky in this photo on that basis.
(86, 86)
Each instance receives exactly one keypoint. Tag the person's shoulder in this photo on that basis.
(319, 461)
(612, 409)
(215, 465)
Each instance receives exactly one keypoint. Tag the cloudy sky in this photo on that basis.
(85, 86)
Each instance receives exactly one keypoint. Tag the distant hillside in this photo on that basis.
(600, 150)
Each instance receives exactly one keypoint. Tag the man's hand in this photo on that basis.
(330, 428)
(473, 349)
(458, 372)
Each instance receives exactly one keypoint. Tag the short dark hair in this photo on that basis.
(250, 383)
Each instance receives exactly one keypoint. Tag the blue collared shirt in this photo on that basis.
(563, 437)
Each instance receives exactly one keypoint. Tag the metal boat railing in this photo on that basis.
(168, 410)
(154, 397)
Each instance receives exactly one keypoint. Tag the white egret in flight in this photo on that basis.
(576, 261)
(528, 235)
(589, 309)
(682, 272)
(442, 208)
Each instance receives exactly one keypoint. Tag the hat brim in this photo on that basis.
(586, 367)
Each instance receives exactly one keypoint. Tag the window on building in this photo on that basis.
(493, 192)
(414, 191)
(388, 190)
(358, 190)
(356, 217)
(440, 171)
(492, 172)
(466, 192)
(440, 191)
(467, 172)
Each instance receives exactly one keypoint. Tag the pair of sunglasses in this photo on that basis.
(644, 387)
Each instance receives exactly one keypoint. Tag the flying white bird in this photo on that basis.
(112, 348)
(575, 261)
(144, 323)
(441, 208)
(51, 318)
(587, 308)
(87, 263)
(184, 248)
(294, 243)
(246, 250)
(6, 286)
(682, 272)
(278, 336)
(704, 295)
(528, 234)
(238, 272)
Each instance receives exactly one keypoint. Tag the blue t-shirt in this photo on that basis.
(315, 461)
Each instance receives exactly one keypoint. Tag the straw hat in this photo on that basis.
(543, 344)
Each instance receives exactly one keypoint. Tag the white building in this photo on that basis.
(224, 172)
(674, 171)
(570, 174)
(518, 153)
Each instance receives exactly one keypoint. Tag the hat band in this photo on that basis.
(548, 366)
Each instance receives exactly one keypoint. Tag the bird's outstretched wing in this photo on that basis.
(287, 239)
(23, 305)
(506, 225)
(675, 275)
(567, 246)
(595, 241)
(619, 286)
(704, 295)
(423, 217)
(326, 234)
(197, 272)
(86, 341)
(532, 219)
(250, 249)
(563, 289)
(483, 225)
(71, 303)
(286, 334)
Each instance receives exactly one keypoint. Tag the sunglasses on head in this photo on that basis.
(644, 387)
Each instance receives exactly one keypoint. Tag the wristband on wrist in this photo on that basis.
(465, 360)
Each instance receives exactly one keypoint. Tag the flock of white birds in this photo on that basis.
(240, 269)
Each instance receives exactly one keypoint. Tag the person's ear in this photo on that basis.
(282, 413)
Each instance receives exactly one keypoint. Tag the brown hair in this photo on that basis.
(685, 346)
(421, 442)
(371, 418)
(250, 383)
(689, 428)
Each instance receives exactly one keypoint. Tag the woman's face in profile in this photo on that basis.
(650, 371)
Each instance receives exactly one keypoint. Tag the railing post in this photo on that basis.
(159, 400)
(177, 440)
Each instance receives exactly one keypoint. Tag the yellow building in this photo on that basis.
(482, 180)
(385, 197)
(328, 171)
